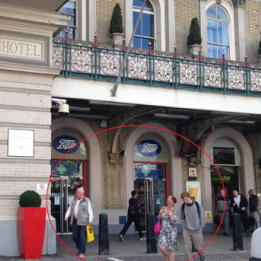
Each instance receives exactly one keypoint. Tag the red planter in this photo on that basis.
(31, 229)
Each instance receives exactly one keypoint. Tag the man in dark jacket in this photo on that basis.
(253, 199)
(239, 204)
(133, 216)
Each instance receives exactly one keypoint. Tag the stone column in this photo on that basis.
(240, 39)
(26, 77)
(203, 26)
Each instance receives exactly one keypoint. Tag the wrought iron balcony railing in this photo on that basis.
(97, 63)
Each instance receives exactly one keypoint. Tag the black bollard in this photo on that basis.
(151, 236)
(104, 247)
(237, 233)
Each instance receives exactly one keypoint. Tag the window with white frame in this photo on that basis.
(145, 31)
(217, 32)
(69, 8)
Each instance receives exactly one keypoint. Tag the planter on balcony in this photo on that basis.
(194, 49)
(117, 39)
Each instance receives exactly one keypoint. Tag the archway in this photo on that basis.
(245, 171)
(174, 168)
(94, 161)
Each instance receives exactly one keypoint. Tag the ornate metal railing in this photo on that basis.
(98, 63)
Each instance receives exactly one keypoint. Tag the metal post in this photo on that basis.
(115, 87)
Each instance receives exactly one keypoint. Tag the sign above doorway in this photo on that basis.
(149, 148)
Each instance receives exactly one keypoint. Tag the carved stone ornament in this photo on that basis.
(238, 2)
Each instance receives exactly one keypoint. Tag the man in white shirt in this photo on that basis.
(81, 214)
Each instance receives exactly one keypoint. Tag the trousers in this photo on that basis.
(130, 220)
(195, 237)
(225, 220)
(79, 237)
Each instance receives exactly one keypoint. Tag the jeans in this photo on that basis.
(225, 221)
(136, 220)
(256, 217)
(80, 237)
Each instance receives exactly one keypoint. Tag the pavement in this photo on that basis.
(132, 249)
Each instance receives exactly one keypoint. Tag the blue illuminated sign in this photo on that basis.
(63, 143)
(149, 148)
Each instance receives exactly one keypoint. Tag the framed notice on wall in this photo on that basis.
(193, 188)
(20, 143)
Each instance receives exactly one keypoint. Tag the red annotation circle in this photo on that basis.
(131, 126)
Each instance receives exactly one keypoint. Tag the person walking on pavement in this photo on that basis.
(81, 215)
(239, 204)
(168, 237)
(223, 202)
(192, 218)
(133, 216)
(253, 201)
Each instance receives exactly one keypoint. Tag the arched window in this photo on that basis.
(69, 8)
(218, 32)
(145, 30)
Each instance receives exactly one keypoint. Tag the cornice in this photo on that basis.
(33, 15)
(7, 66)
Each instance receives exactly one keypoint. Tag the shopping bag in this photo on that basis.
(157, 228)
(90, 234)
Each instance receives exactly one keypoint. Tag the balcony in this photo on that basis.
(150, 69)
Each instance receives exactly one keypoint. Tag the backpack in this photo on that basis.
(197, 205)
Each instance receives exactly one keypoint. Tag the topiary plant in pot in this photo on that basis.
(31, 220)
(194, 38)
(116, 27)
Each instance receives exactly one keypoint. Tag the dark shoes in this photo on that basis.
(121, 238)
(225, 234)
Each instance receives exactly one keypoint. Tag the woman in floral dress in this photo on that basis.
(168, 237)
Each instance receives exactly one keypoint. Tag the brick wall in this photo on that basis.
(185, 10)
(104, 13)
(252, 28)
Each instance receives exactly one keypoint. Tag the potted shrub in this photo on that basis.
(194, 38)
(116, 27)
(31, 222)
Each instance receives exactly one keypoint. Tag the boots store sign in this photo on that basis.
(63, 143)
(149, 148)
(24, 48)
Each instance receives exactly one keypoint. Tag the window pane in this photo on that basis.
(212, 12)
(223, 33)
(138, 4)
(137, 42)
(221, 14)
(71, 33)
(148, 25)
(221, 50)
(135, 18)
(212, 51)
(145, 43)
(212, 31)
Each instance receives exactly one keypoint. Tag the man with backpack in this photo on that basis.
(192, 218)
(133, 216)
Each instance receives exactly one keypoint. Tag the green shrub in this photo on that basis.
(30, 199)
(116, 20)
(259, 50)
(194, 36)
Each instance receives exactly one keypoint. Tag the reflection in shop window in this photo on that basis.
(145, 31)
(69, 8)
(217, 32)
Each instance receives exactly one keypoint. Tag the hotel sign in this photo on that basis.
(18, 48)
(24, 48)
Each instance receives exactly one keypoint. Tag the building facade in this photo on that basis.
(53, 54)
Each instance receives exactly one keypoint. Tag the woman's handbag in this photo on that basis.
(157, 228)
(90, 235)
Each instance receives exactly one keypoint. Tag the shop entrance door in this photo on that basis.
(150, 182)
(59, 200)
(68, 176)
